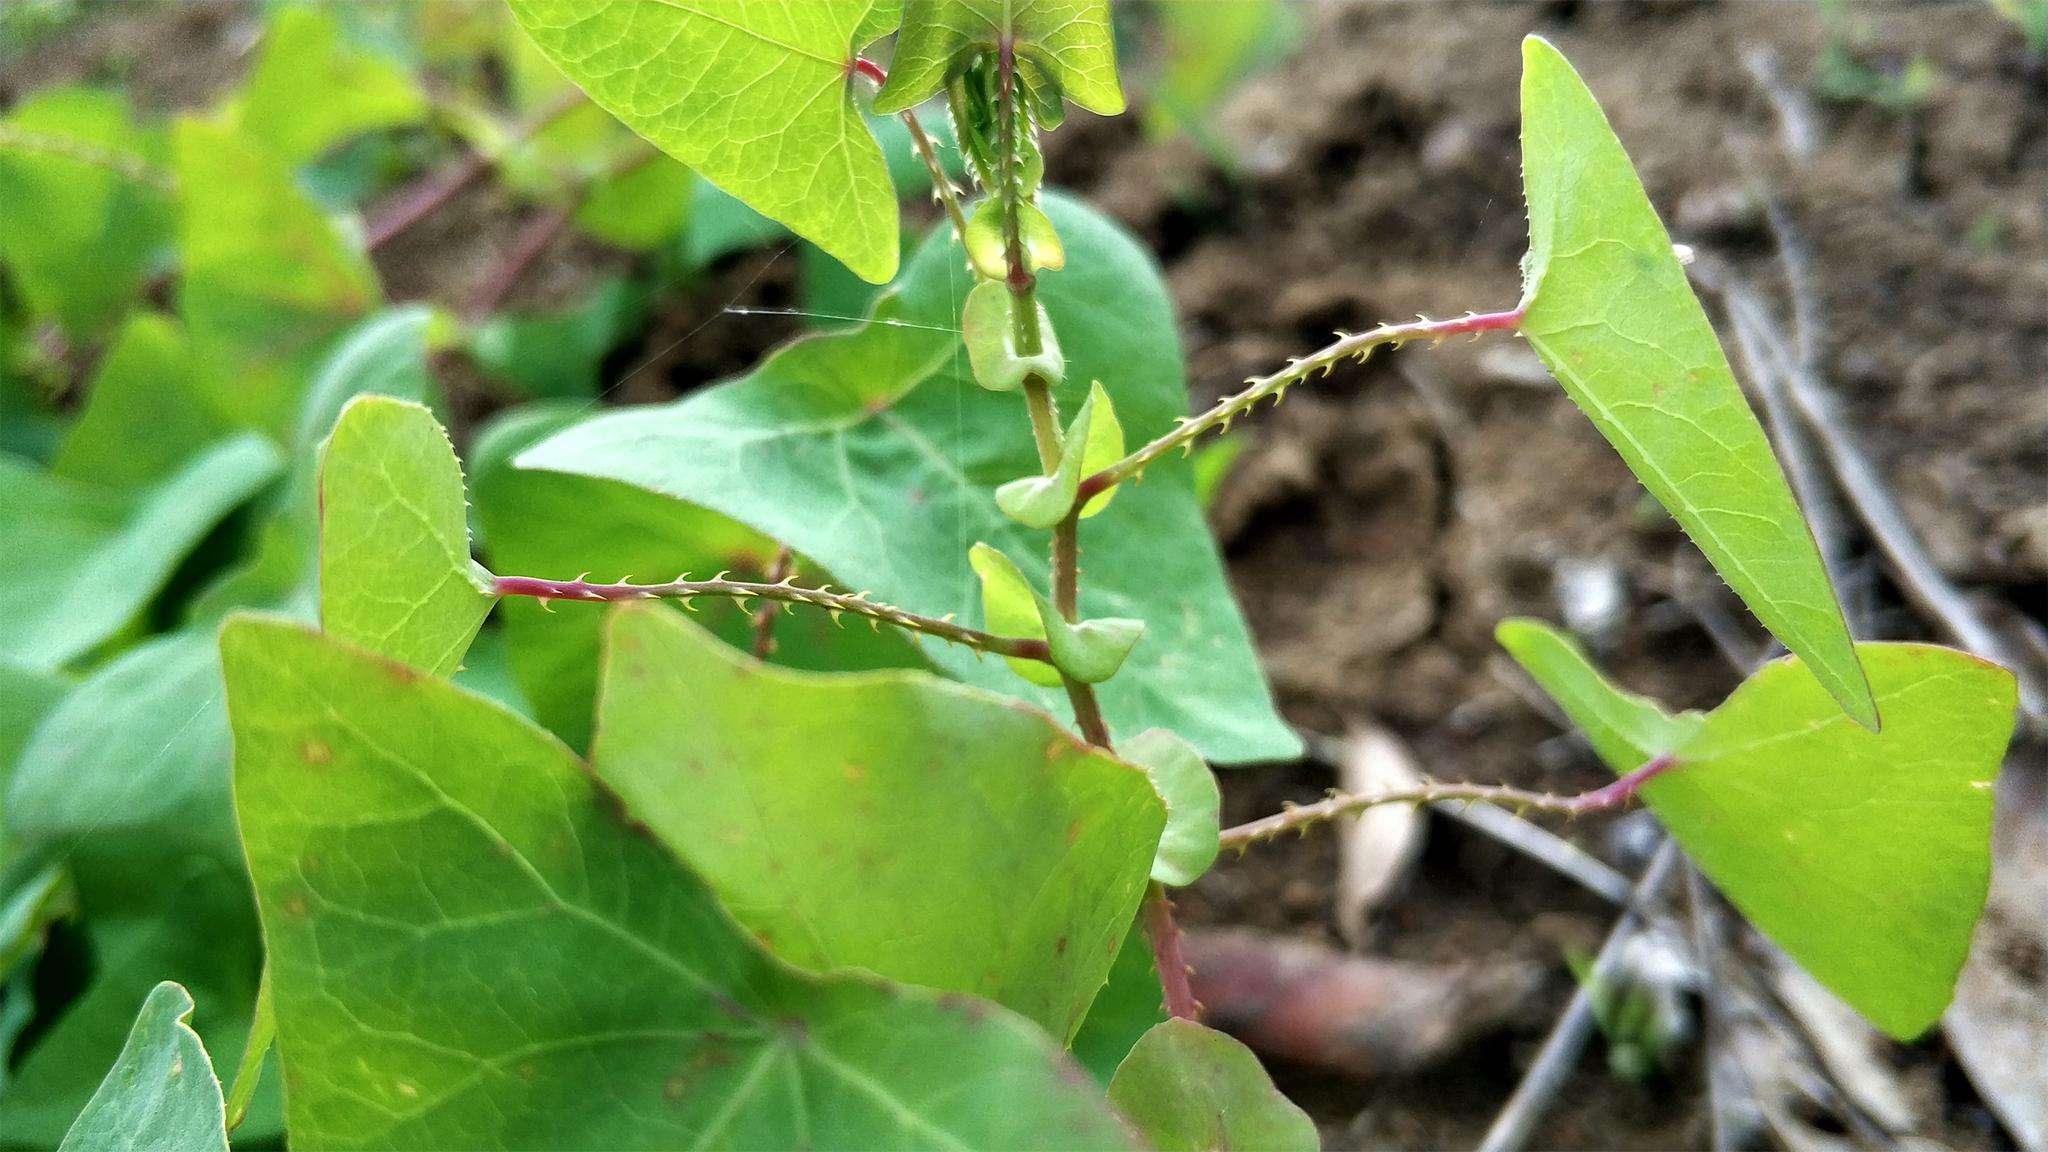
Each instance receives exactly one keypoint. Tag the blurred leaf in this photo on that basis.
(161, 1092)
(310, 90)
(82, 560)
(1212, 463)
(395, 573)
(641, 208)
(876, 455)
(721, 225)
(1193, 804)
(26, 696)
(1865, 855)
(1126, 1008)
(150, 407)
(559, 526)
(890, 821)
(1611, 314)
(539, 935)
(759, 99)
(557, 354)
(384, 355)
(79, 237)
(1192, 1089)
(267, 277)
(1206, 48)
(1068, 41)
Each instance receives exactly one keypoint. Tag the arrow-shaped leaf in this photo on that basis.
(1611, 314)
(758, 98)
(1864, 855)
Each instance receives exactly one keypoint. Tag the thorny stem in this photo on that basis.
(1614, 795)
(1259, 388)
(942, 184)
(853, 604)
(120, 164)
(1045, 421)
(1023, 285)
(1166, 954)
(783, 567)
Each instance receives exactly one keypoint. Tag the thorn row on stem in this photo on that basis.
(1299, 818)
(784, 592)
(1360, 346)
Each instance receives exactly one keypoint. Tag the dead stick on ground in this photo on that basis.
(1560, 1054)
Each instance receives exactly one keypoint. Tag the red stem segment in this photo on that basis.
(1167, 956)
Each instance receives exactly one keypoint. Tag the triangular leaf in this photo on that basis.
(1193, 1089)
(401, 829)
(1864, 855)
(1194, 804)
(310, 91)
(758, 98)
(395, 572)
(1625, 729)
(892, 821)
(161, 1092)
(1070, 41)
(1611, 314)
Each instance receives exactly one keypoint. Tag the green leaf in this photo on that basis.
(79, 238)
(988, 328)
(1126, 1008)
(875, 454)
(1626, 730)
(558, 526)
(1611, 314)
(126, 783)
(1194, 805)
(1864, 855)
(891, 821)
(1093, 437)
(757, 98)
(267, 277)
(1206, 49)
(558, 354)
(1192, 1089)
(82, 561)
(26, 696)
(1069, 41)
(1090, 651)
(150, 407)
(642, 208)
(395, 572)
(161, 1093)
(1009, 607)
(310, 91)
(465, 936)
(385, 355)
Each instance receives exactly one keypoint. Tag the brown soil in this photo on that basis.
(1384, 520)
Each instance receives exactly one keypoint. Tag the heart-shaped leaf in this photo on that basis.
(1193, 1089)
(395, 572)
(161, 1091)
(1194, 805)
(1864, 855)
(758, 98)
(874, 453)
(1068, 41)
(923, 830)
(1611, 314)
(465, 934)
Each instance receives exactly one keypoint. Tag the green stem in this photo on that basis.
(1258, 388)
(853, 604)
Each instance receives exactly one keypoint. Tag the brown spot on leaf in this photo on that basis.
(316, 752)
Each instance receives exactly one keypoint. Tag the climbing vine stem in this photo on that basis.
(786, 592)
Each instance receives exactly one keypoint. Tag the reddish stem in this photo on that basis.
(1166, 954)
(862, 66)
